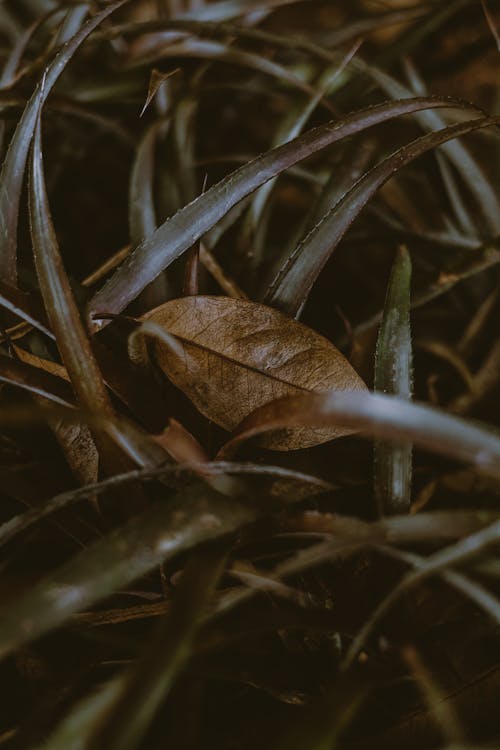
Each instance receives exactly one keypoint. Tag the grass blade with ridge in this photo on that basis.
(471, 173)
(393, 375)
(292, 285)
(12, 174)
(188, 225)
(291, 127)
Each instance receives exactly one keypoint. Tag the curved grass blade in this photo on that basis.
(35, 380)
(64, 317)
(142, 215)
(462, 583)
(440, 526)
(352, 167)
(209, 50)
(292, 126)
(71, 338)
(9, 70)
(140, 447)
(71, 24)
(71, 732)
(471, 173)
(393, 375)
(350, 535)
(23, 521)
(195, 515)
(24, 306)
(142, 212)
(293, 283)
(12, 174)
(456, 554)
(381, 416)
(171, 646)
(188, 225)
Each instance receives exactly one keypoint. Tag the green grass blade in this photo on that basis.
(189, 224)
(393, 375)
(293, 283)
(12, 174)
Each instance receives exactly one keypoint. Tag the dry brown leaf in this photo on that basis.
(238, 355)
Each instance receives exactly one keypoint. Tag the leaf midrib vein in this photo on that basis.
(237, 363)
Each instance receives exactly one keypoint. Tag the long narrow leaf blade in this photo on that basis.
(381, 416)
(472, 174)
(393, 375)
(25, 307)
(188, 225)
(11, 177)
(64, 317)
(155, 674)
(195, 515)
(292, 285)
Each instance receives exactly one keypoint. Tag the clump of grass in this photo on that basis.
(165, 582)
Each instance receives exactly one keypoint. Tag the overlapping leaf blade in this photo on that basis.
(292, 284)
(189, 224)
(12, 174)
